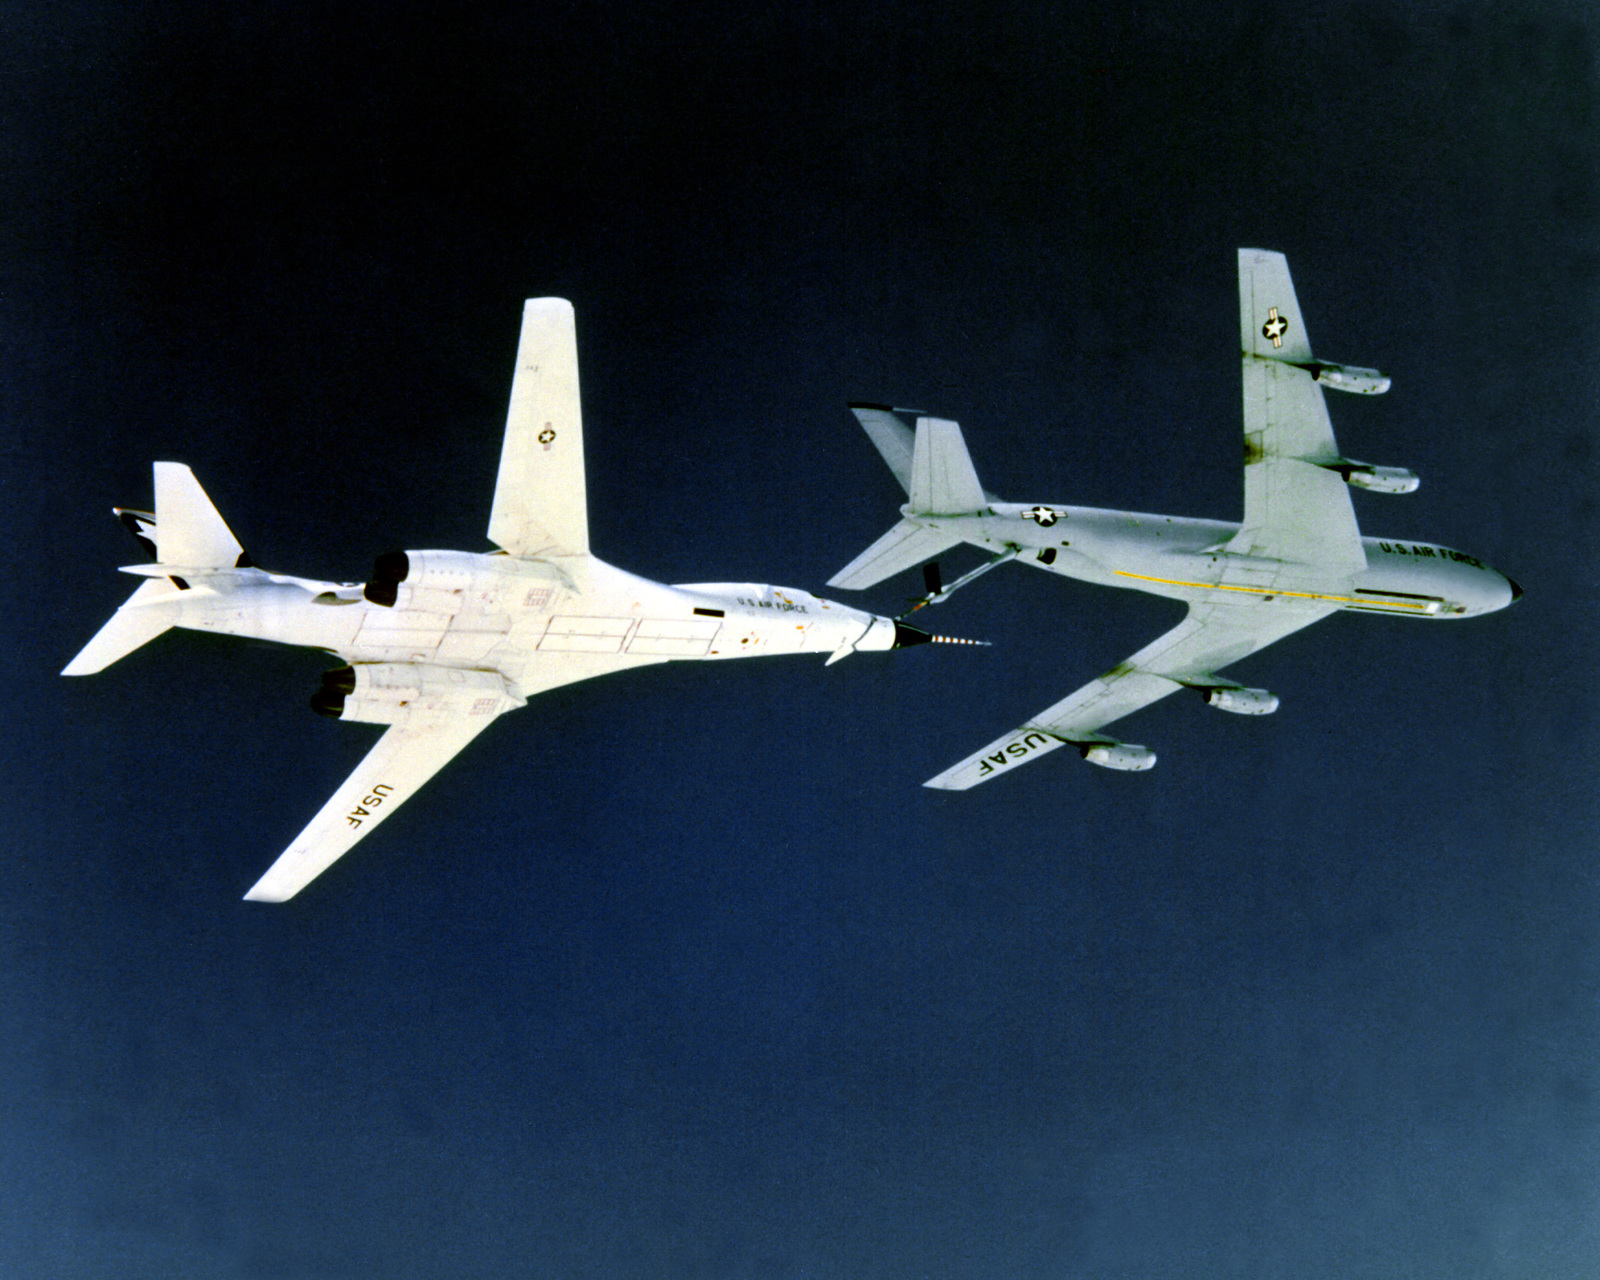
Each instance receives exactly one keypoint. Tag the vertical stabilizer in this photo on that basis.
(943, 479)
(189, 530)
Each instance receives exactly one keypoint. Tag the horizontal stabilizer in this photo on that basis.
(135, 624)
(943, 479)
(906, 545)
(189, 529)
(186, 572)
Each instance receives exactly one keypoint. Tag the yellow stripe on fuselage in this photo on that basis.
(1269, 591)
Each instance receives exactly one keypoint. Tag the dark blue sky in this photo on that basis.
(681, 972)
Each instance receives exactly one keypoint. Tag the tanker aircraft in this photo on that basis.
(1296, 558)
(437, 644)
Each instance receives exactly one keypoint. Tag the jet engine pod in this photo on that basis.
(397, 692)
(1244, 702)
(388, 572)
(1339, 377)
(451, 580)
(337, 685)
(1379, 479)
(1118, 755)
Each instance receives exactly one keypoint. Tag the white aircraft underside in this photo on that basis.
(439, 643)
(1297, 556)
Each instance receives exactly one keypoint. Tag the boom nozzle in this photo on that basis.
(905, 636)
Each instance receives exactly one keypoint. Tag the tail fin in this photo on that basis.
(185, 530)
(934, 468)
(188, 530)
(943, 479)
(944, 452)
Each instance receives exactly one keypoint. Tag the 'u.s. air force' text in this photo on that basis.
(363, 811)
(1014, 751)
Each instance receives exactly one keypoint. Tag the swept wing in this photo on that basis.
(394, 770)
(540, 509)
(1209, 638)
(540, 506)
(1295, 509)
(433, 713)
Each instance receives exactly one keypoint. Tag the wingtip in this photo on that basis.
(871, 406)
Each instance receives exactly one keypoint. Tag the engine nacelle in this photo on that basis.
(1363, 475)
(1244, 702)
(1118, 755)
(447, 581)
(393, 692)
(1341, 377)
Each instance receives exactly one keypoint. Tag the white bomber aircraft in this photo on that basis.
(1296, 558)
(439, 643)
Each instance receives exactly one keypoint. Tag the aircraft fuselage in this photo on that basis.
(1184, 559)
(499, 613)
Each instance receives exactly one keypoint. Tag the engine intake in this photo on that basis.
(455, 581)
(388, 572)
